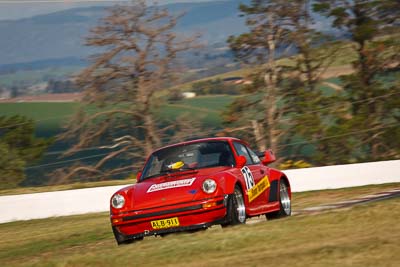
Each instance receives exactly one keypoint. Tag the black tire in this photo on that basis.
(122, 240)
(285, 203)
(236, 209)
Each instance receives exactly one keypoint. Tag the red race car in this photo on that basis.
(192, 185)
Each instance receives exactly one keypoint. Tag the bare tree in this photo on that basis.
(137, 58)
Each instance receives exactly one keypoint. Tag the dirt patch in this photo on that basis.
(388, 194)
(337, 71)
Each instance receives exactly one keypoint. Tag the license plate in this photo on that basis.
(166, 223)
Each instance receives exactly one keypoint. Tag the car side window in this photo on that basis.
(241, 150)
(254, 156)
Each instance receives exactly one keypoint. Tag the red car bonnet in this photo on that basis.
(170, 189)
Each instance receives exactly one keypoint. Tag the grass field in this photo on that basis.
(366, 235)
(206, 109)
(50, 117)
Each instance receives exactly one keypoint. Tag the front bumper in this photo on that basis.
(192, 216)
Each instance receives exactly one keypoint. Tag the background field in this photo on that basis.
(366, 235)
(50, 117)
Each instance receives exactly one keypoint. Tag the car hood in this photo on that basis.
(171, 189)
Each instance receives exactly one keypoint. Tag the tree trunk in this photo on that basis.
(259, 135)
(271, 79)
(151, 132)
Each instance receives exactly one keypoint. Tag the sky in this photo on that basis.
(17, 9)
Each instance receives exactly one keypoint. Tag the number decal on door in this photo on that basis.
(248, 177)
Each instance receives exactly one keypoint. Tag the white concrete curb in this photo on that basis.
(81, 201)
(59, 203)
(341, 176)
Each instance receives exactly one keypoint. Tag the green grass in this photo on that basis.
(50, 117)
(211, 102)
(203, 108)
(366, 235)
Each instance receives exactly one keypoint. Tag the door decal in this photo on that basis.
(248, 177)
(258, 189)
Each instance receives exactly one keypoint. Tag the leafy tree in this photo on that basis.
(137, 59)
(308, 117)
(175, 96)
(57, 87)
(11, 167)
(373, 103)
(266, 34)
(283, 94)
(19, 148)
(15, 91)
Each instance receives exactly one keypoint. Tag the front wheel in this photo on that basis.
(236, 209)
(122, 240)
(284, 203)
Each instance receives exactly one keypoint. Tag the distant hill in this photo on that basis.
(60, 35)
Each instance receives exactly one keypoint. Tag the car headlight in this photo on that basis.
(118, 201)
(209, 186)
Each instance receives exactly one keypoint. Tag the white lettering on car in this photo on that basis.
(169, 185)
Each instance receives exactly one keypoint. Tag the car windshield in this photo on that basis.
(188, 157)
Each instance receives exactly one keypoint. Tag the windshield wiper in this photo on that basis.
(188, 168)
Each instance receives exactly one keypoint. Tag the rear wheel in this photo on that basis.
(284, 203)
(236, 208)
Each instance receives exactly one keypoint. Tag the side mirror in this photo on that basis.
(269, 157)
(138, 176)
(241, 161)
